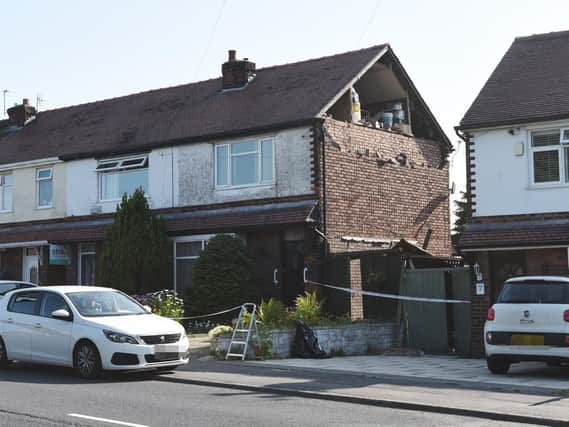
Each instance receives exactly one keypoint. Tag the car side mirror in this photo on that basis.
(148, 308)
(61, 314)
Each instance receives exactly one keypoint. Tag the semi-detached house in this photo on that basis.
(277, 155)
(517, 133)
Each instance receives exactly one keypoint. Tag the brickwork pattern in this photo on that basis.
(356, 301)
(384, 185)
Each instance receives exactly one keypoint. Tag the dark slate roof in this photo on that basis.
(282, 96)
(530, 84)
(521, 233)
(223, 219)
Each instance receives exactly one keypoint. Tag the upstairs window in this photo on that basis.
(122, 176)
(550, 158)
(5, 192)
(44, 188)
(245, 163)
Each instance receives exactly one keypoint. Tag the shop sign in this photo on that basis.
(58, 255)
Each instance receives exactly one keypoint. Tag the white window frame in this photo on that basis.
(204, 238)
(38, 180)
(119, 168)
(80, 253)
(562, 133)
(260, 182)
(560, 148)
(3, 187)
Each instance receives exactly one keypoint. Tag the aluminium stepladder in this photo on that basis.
(242, 333)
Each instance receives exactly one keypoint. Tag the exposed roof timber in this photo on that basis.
(358, 76)
(414, 90)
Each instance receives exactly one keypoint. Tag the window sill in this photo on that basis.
(242, 187)
(106, 201)
(548, 186)
(6, 211)
(41, 208)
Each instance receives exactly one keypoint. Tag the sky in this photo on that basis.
(71, 52)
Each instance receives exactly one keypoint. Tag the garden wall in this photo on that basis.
(350, 339)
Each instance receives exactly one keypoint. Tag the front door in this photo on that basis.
(51, 342)
(292, 274)
(30, 265)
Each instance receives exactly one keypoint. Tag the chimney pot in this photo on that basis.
(20, 114)
(236, 73)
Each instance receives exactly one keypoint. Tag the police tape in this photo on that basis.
(389, 296)
(203, 316)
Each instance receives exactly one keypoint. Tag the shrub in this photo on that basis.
(223, 277)
(163, 303)
(136, 254)
(219, 330)
(273, 313)
(307, 308)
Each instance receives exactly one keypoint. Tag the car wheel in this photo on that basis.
(498, 365)
(4, 362)
(87, 360)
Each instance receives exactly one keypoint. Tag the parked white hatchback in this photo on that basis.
(529, 322)
(89, 328)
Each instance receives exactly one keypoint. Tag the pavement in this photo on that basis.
(530, 393)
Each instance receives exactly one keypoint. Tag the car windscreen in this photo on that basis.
(104, 303)
(7, 287)
(534, 293)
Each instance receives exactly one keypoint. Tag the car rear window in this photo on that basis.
(535, 293)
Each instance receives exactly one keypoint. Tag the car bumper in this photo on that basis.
(115, 357)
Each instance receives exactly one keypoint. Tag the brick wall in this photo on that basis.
(383, 185)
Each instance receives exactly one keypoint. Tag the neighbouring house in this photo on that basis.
(286, 157)
(517, 136)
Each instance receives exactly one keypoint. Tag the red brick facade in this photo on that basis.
(356, 301)
(383, 185)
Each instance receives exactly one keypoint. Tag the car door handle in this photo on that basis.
(37, 325)
(9, 320)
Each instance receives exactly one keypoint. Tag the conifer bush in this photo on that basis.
(136, 255)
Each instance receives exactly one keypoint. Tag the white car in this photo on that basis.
(88, 328)
(529, 322)
(10, 285)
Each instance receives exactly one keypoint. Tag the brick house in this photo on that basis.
(280, 156)
(517, 136)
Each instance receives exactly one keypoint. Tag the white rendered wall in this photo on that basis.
(503, 179)
(195, 168)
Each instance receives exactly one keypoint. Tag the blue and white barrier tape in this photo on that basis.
(389, 296)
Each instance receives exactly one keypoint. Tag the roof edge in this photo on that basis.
(486, 125)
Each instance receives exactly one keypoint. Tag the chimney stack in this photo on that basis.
(20, 114)
(237, 73)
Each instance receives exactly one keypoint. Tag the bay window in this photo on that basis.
(186, 252)
(5, 192)
(122, 176)
(245, 163)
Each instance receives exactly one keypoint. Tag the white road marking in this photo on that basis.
(106, 420)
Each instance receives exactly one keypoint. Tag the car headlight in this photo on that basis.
(119, 338)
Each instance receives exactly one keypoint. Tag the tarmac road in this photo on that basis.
(44, 396)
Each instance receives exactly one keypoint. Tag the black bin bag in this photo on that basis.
(305, 343)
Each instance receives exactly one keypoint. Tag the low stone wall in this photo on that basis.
(350, 339)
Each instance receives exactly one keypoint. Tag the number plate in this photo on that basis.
(527, 340)
(168, 348)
